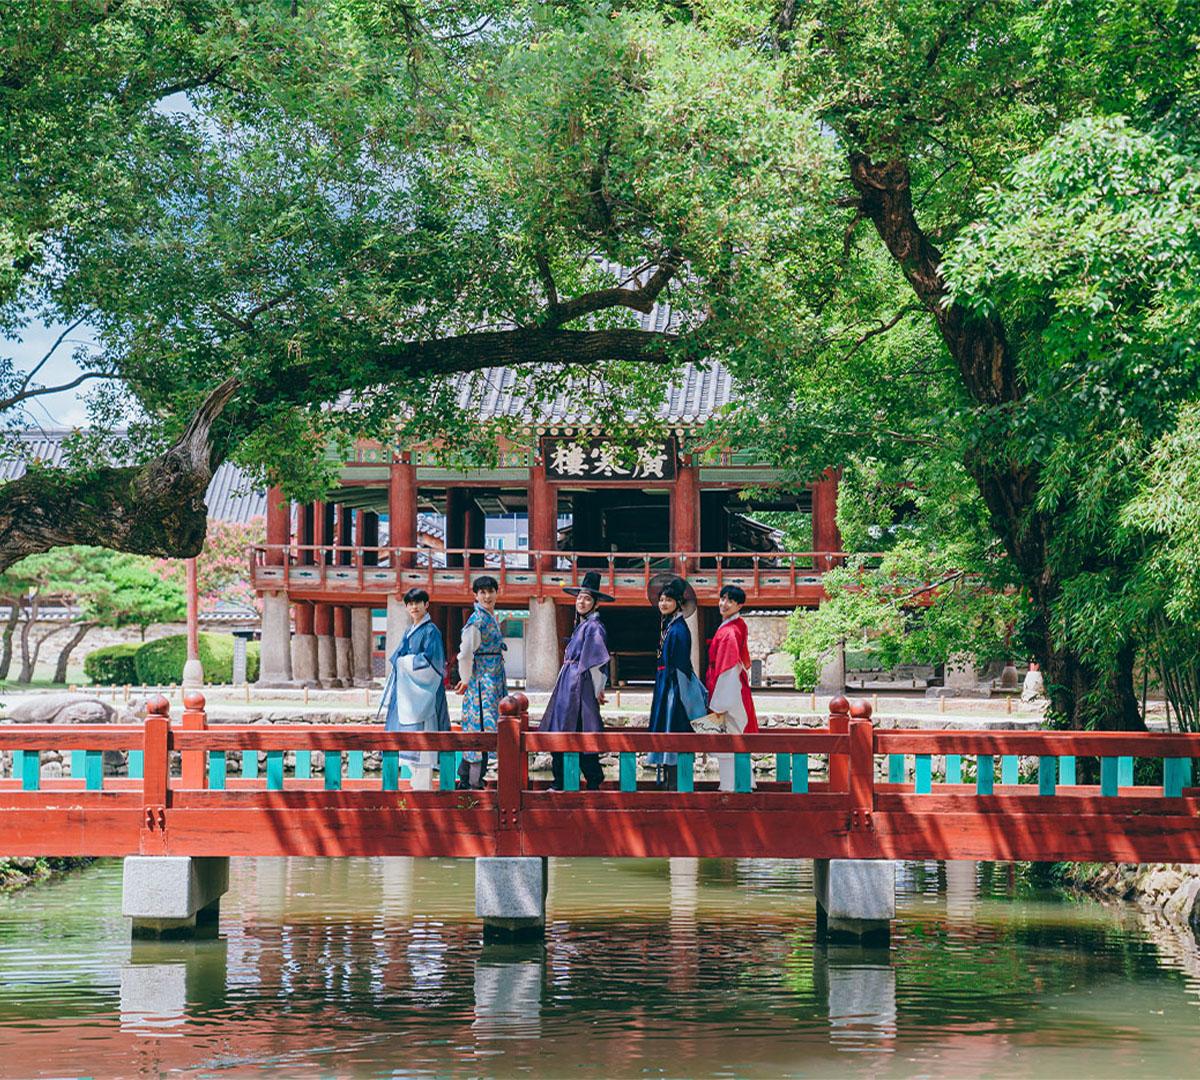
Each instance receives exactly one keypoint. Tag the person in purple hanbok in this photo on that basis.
(579, 691)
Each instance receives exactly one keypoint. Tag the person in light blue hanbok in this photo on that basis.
(415, 696)
(481, 676)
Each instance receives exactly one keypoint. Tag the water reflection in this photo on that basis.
(508, 991)
(858, 988)
(162, 981)
(677, 967)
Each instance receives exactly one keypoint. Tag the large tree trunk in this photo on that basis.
(64, 657)
(1082, 694)
(10, 626)
(152, 509)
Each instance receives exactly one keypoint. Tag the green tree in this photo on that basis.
(419, 194)
(87, 588)
(1005, 300)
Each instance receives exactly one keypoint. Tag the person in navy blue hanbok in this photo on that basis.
(679, 696)
(579, 690)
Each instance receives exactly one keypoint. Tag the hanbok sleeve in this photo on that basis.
(428, 650)
(466, 651)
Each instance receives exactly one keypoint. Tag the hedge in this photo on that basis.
(161, 662)
(113, 665)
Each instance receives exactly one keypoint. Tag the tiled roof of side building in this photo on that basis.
(231, 496)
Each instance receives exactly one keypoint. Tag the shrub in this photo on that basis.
(161, 662)
(113, 665)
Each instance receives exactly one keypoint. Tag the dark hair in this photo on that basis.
(735, 593)
(415, 595)
(676, 589)
(485, 581)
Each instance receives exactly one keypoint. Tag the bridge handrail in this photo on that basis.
(1038, 743)
(71, 737)
(311, 737)
(642, 741)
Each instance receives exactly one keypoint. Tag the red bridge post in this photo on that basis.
(512, 771)
(155, 775)
(862, 764)
(193, 772)
(839, 724)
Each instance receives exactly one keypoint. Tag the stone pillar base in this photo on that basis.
(541, 646)
(856, 899)
(344, 660)
(363, 642)
(832, 676)
(304, 659)
(327, 662)
(275, 665)
(510, 897)
(173, 896)
(193, 674)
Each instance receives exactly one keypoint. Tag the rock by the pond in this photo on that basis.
(62, 709)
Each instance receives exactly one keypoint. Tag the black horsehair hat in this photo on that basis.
(591, 584)
(675, 587)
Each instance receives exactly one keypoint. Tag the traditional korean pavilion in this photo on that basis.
(569, 500)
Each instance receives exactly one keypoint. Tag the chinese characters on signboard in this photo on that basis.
(598, 459)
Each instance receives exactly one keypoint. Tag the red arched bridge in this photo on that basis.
(196, 790)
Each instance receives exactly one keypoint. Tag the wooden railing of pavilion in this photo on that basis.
(784, 578)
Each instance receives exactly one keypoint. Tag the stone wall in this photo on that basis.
(1171, 890)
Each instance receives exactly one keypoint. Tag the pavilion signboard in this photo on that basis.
(576, 458)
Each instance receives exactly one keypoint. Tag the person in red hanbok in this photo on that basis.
(729, 675)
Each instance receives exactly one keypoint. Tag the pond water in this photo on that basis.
(664, 968)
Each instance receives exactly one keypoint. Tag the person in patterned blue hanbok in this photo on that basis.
(415, 696)
(481, 676)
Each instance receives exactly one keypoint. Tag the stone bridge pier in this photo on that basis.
(173, 896)
(856, 900)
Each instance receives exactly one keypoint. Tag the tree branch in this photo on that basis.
(640, 299)
(42, 391)
(882, 328)
(536, 345)
(49, 353)
(543, 268)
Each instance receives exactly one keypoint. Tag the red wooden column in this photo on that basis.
(685, 509)
(826, 537)
(302, 612)
(279, 526)
(543, 515)
(402, 506)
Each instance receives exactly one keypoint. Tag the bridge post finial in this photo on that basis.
(839, 724)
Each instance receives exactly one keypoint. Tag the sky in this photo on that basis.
(66, 409)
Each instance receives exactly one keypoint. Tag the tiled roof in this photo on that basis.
(231, 495)
(693, 397)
